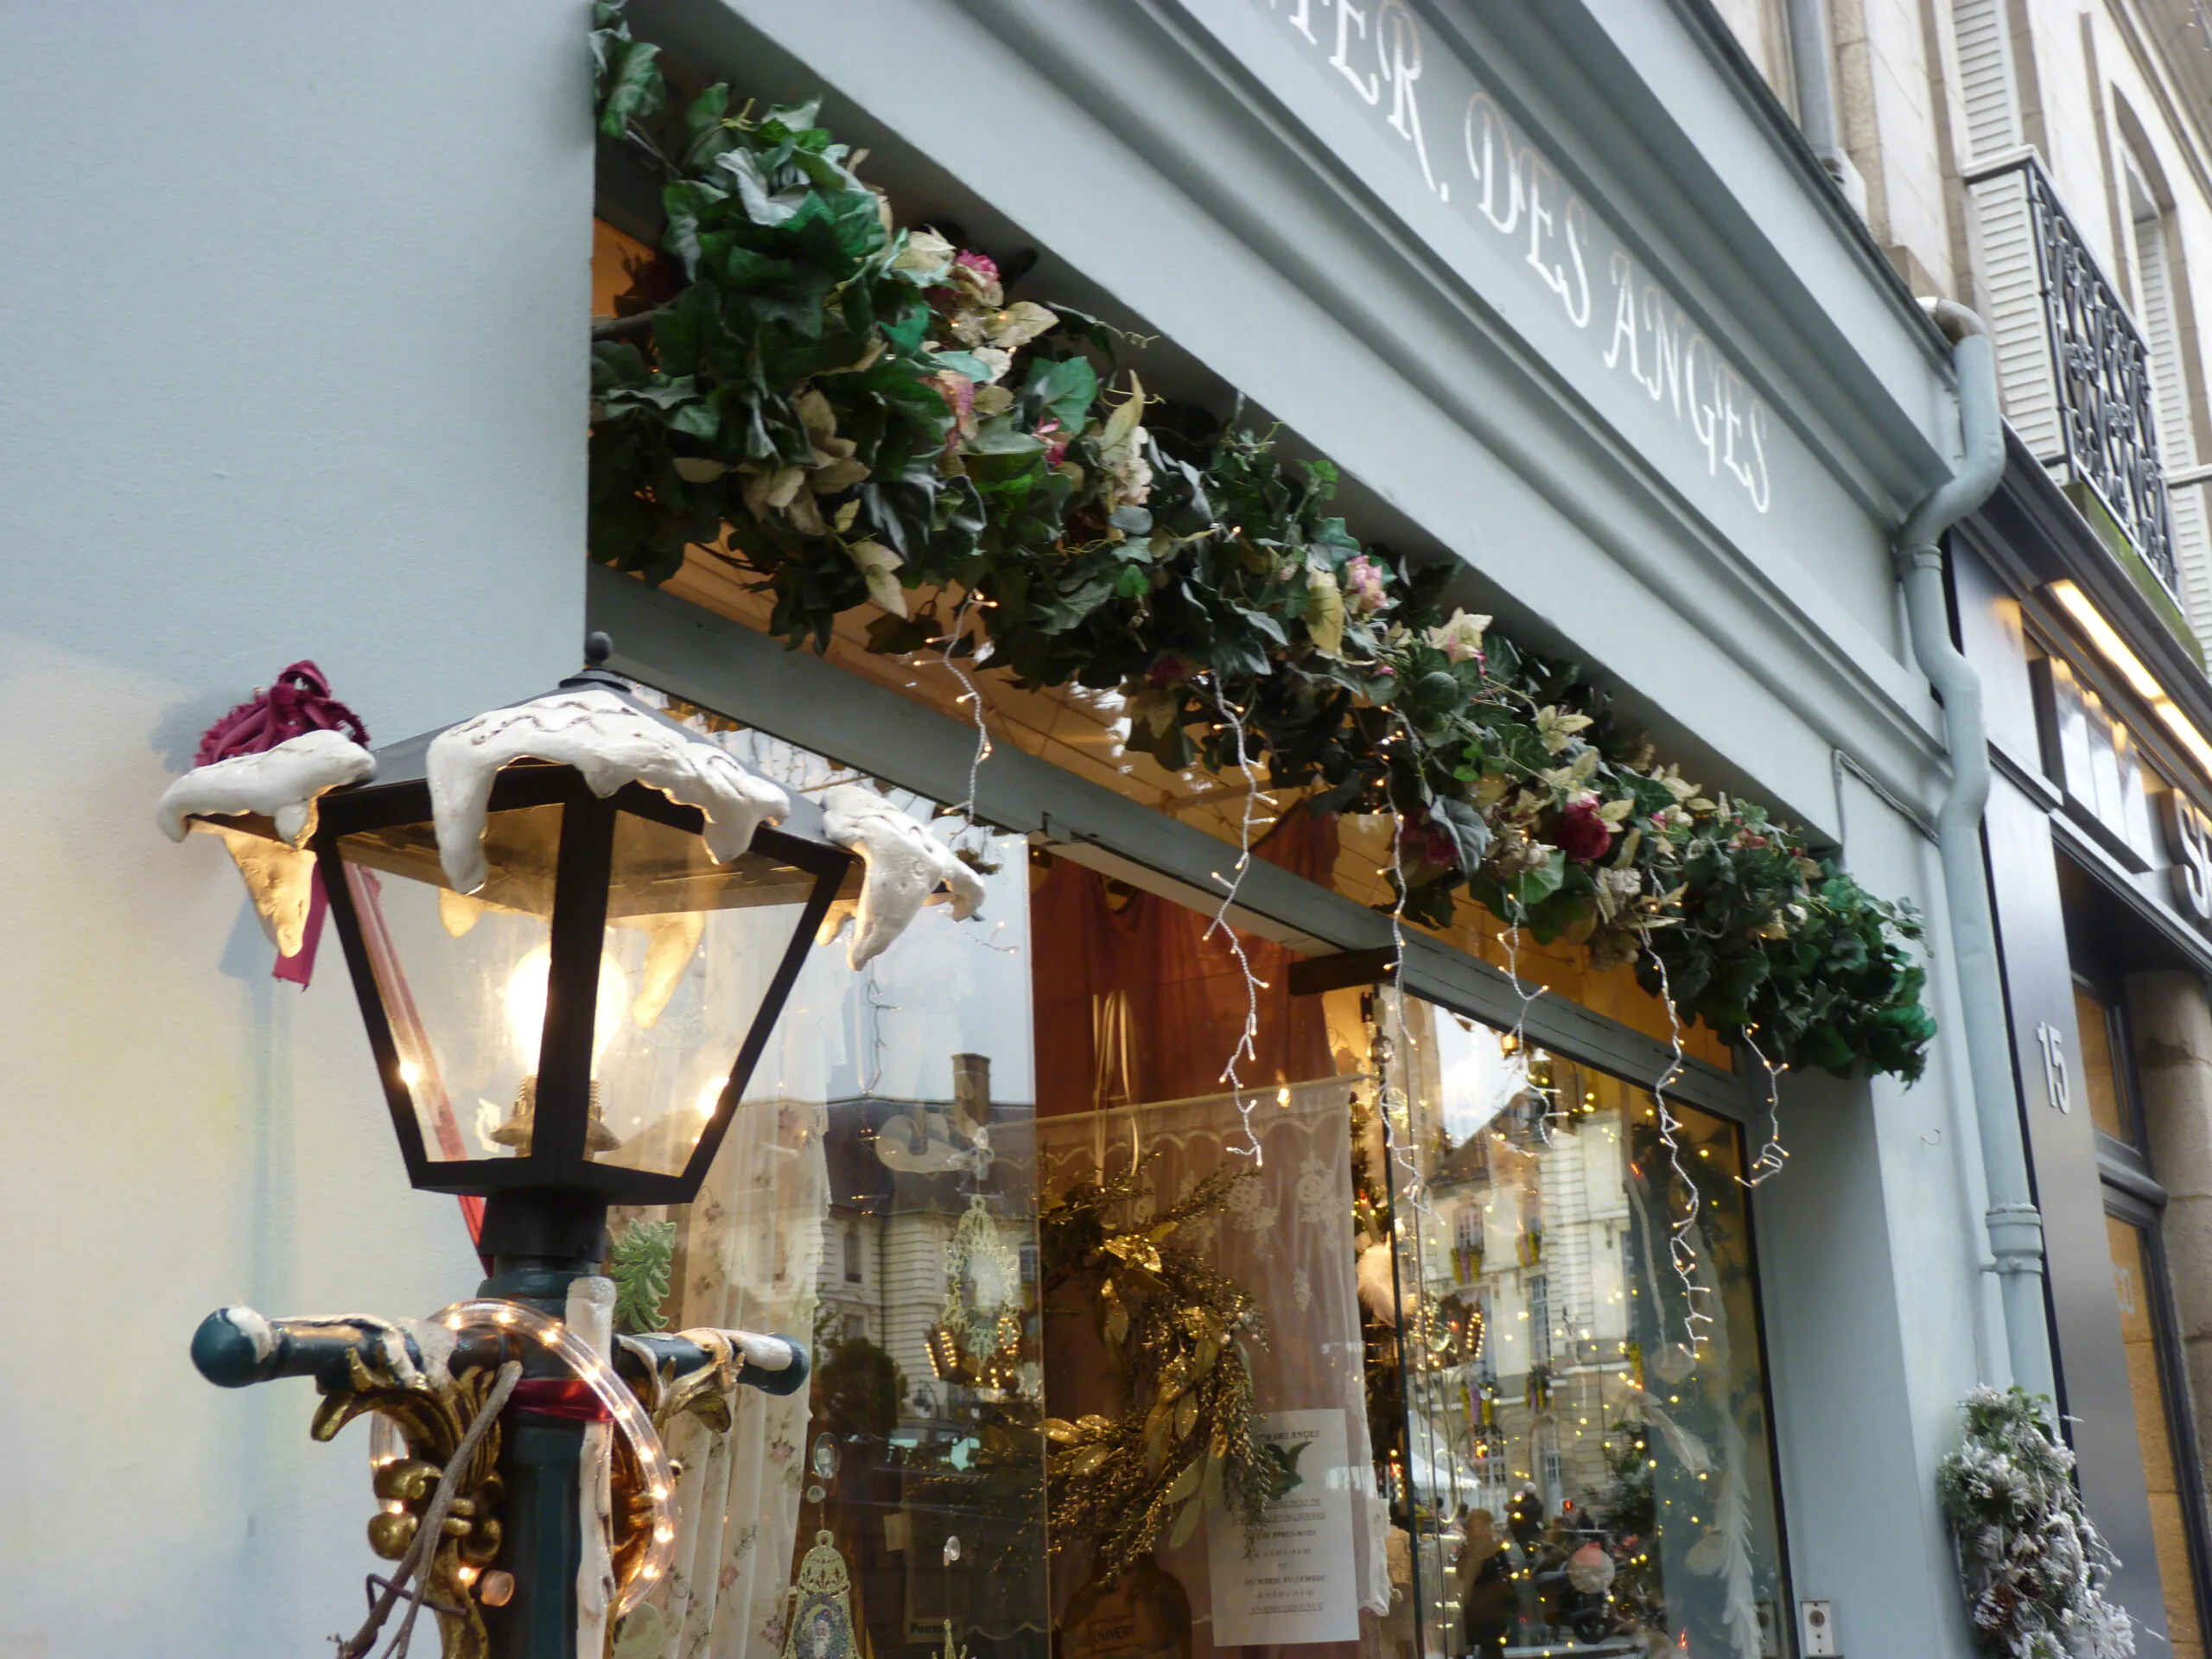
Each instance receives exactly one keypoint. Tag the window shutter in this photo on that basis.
(1992, 108)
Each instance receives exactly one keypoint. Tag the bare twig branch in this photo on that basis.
(416, 1563)
(616, 328)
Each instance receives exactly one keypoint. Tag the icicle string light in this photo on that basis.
(1397, 1103)
(972, 698)
(1509, 936)
(875, 1008)
(1680, 1253)
(1247, 1045)
(1772, 1156)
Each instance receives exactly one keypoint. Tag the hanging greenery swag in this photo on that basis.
(848, 412)
(2033, 1569)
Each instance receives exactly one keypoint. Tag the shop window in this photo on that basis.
(2139, 1288)
(2172, 1483)
(1455, 1248)
(2104, 1080)
(890, 1113)
(1604, 1483)
(1140, 1006)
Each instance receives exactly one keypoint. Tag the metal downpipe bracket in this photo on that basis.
(2014, 1227)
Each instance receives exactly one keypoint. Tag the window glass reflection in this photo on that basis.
(2136, 1291)
(876, 1193)
(1578, 1476)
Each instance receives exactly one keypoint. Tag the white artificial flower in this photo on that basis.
(1461, 638)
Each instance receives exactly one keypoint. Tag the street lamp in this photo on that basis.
(571, 925)
(565, 986)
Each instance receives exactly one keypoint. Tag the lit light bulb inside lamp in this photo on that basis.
(526, 994)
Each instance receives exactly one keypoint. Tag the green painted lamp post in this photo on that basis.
(571, 925)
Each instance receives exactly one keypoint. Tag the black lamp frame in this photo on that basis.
(555, 1160)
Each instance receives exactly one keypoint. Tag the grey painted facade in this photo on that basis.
(293, 321)
(321, 392)
(1259, 200)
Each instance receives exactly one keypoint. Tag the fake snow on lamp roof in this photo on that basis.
(284, 783)
(610, 741)
(906, 865)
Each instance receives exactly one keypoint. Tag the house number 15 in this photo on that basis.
(2055, 1091)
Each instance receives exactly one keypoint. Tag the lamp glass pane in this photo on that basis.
(462, 978)
(691, 949)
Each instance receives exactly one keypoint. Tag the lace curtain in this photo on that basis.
(749, 1254)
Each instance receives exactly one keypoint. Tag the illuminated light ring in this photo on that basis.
(629, 1416)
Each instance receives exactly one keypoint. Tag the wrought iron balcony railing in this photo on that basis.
(2074, 368)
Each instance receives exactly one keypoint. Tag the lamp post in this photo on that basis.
(571, 925)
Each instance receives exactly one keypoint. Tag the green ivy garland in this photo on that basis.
(846, 411)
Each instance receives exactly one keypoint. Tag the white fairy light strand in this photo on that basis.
(1509, 936)
(971, 696)
(1771, 1157)
(1400, 1153)
(873, 1004)
(1247, 1047)
(1682, 1254)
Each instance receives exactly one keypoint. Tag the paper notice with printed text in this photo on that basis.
(1299, 1583)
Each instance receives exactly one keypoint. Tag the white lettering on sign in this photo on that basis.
(1375, 48)
(2057, 1087)
(2189, 845)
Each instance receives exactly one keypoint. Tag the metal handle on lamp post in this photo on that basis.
(353, 1356)
(235, 1347)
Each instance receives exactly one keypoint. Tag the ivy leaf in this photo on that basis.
(1325, 611)
(878, 566)
(695, 419)
(1265, 623)
(1531, 887)
(630, 85)
(1471, 836)
(1066, 390)
(762, 205)
(965, 363)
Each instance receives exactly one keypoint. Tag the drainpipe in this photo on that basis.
(2015, 1229)
(1812, 67)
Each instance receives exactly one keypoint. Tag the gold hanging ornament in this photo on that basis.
(818, 1606)
(978, 1334)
